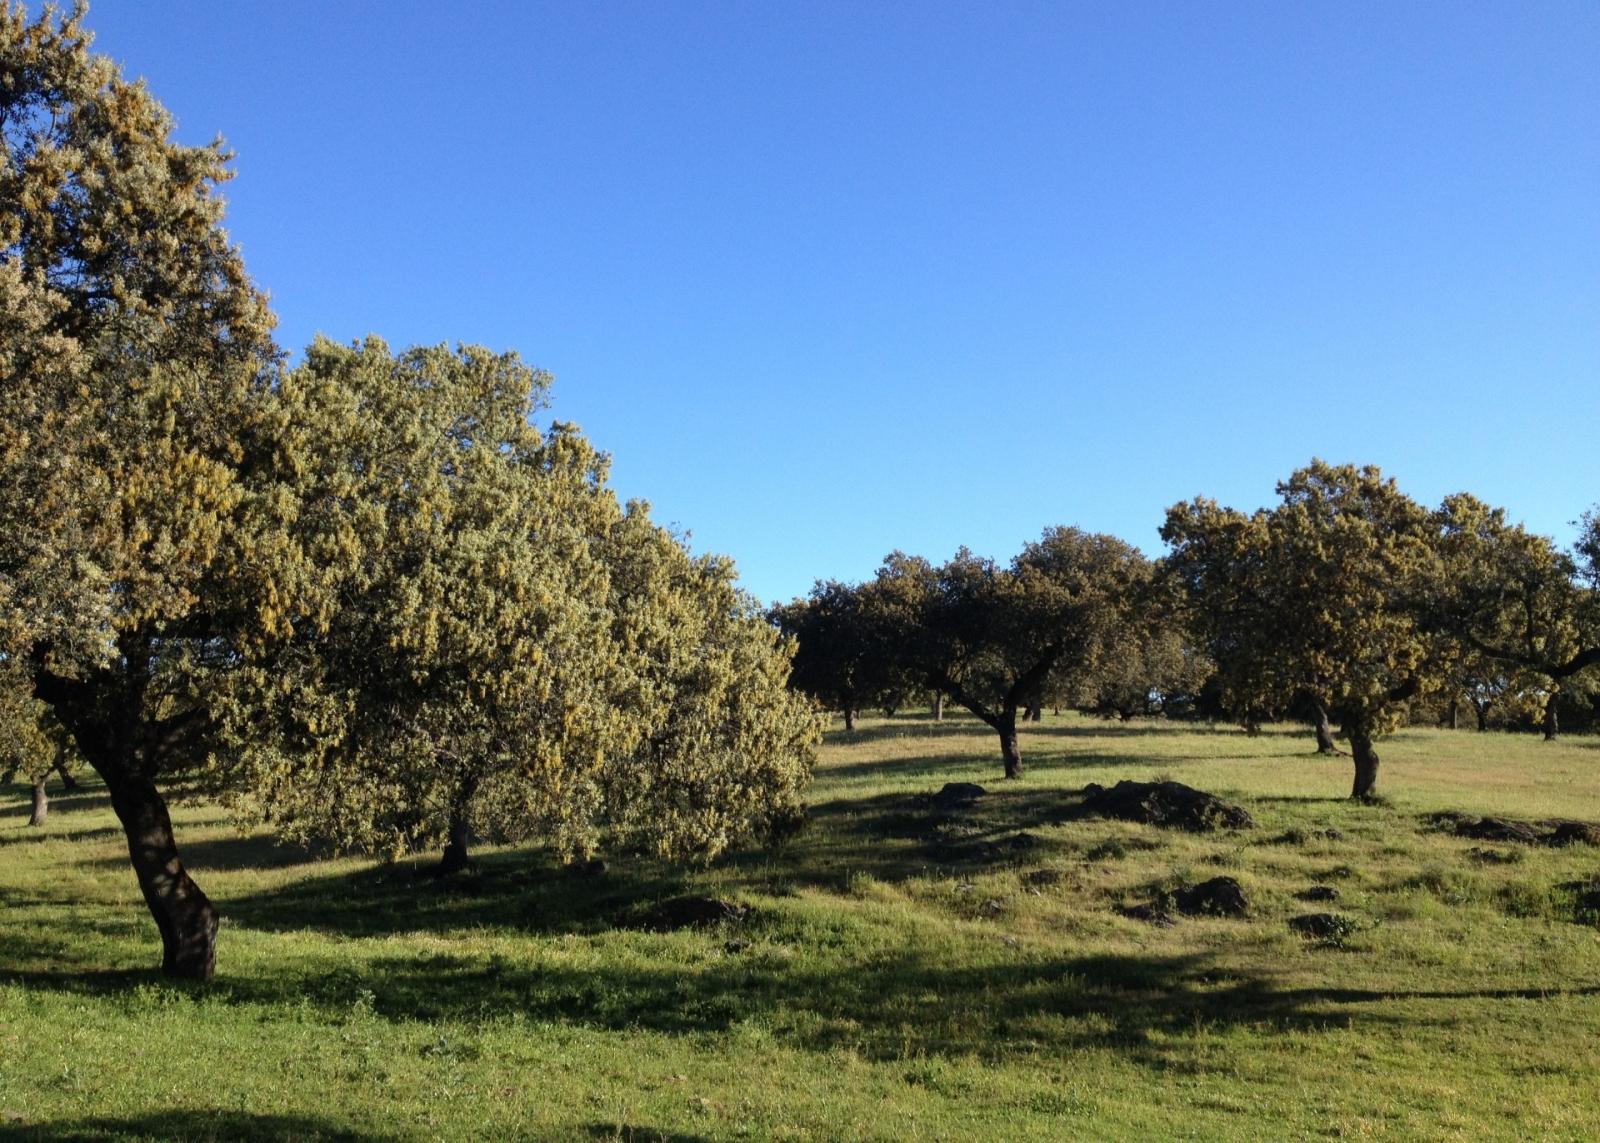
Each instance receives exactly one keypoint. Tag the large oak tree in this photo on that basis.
(1321, 594)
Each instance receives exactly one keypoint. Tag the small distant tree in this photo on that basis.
(33, 744)
(1319, 594)
(844, 657)
(989, 636)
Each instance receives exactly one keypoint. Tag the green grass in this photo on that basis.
(890, 987)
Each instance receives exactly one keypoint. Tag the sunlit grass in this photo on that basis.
(888, 986)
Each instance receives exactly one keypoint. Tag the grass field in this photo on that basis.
(890, 985)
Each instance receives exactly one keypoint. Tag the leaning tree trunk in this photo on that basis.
(68, 782)
(1325, 742)
(183, 914)
(105, 717)
(41, 803)
(1366, 759)
(1552, 724)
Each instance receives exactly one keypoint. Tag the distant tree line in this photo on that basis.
(1347, 604)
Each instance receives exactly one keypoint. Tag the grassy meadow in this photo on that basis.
(898, 979)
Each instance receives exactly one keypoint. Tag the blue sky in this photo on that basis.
(830, 279)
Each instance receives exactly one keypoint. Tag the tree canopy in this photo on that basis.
(1320, 594)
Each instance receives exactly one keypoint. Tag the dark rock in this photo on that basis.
(994, 906)
(1219, 897)
(693, 913)
(1319, 893)
(594, 867)
(1573, 833)
(1552, 831)
(1586, 903)
(1165, 804)
(1333, 833)
(1155, 913)
(1322, 926)
(736, 945)
(958, 795)
(1039, 878)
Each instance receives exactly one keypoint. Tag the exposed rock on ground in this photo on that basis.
(1319, 893)
(1330, 927)
(957, 795)
(1219, 897)
(693, 913)
(1165, 804)
(1549, 831)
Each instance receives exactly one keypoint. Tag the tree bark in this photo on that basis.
(1010, 750)
(1366, 759)
(68, 782)
(183, 914)
(1455, 714)
(455, 857)
(850, 718)
(1325, 741)
(1552, 724)
(41, 803)
(1482, 711)
(938, 706)
(1035, 712)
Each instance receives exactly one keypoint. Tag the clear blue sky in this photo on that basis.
(830, 279)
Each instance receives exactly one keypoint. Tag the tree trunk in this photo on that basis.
(1325, 742)
(1035, 712)
(1366, 759)
(1455, 714)
(850, 718)
(1010, 751)
(186, 918)
(68, 782)
(1552, 724)
(41, 803)
(455, 850)
(938, 706)
(105, 717)
(1482, 710)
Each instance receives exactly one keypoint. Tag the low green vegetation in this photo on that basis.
(906, 972)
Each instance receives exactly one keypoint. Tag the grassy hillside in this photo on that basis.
(906, 974)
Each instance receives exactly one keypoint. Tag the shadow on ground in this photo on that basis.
(193, 1127)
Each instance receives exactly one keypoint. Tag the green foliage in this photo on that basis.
(131, 348)
(1322, 594)
(509, 651)
(1520, 610)
(992, 637)
(846, 655)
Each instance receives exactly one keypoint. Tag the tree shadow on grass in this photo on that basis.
(884, 1006)
(211, 1126)
(232, 854)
